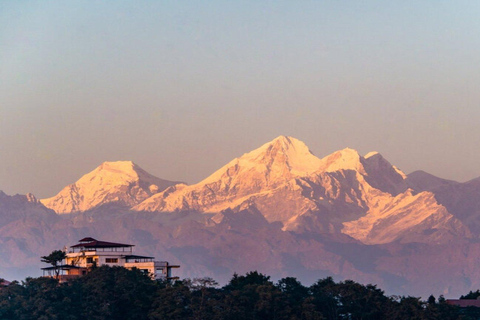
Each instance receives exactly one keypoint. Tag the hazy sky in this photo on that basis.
(183, 87)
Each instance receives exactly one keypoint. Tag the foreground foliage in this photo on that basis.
(117, 293)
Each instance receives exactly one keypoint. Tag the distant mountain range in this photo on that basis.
(277, 209)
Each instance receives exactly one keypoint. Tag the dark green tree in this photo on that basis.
(206, 299)
(295, 296)
(471, 295)
(55, 258)
(407, 308)
(12, 301)
(442, 310)
(46, 299)
(251, 278)
(172, 302)
(325, 298)
(362, 302)
(117, 293)
(252, 296)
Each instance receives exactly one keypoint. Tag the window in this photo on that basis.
(89, 260)
(111, 260)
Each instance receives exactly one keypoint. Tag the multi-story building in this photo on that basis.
(90, 253)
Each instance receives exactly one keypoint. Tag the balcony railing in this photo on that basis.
(120, 249)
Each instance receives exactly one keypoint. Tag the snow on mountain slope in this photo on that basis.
(343, 192)
(378, 172)
(120, 182)
(391, 211)
(382, 175)
(275, 161)
(258, 171)
(406, 217)
(346, 159)
(461, 199)
(286, 184)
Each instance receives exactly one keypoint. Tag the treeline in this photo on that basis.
(118, 293)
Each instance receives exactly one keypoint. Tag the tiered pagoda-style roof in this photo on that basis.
(94, 243)
(91, 243)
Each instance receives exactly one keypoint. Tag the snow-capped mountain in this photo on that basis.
(407, 218)
(364, 197)
(121, 183)
(278, 209)
(262, 170)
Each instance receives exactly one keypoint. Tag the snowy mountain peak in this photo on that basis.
(382, 175)
(119, 170)
(31, 198)
(371, 154)
(259, 171)
(375, 169)
(346, 159)
(121, 182)
(282, 158)
(285, 151)
(376, 160)
(118, 166)
(286, 141)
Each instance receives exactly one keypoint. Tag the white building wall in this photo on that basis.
(156, 269)
(80, 258)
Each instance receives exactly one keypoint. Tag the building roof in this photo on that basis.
(62, 267)
(4, 282)
(137, 257)
(463, 303)
(93, 243)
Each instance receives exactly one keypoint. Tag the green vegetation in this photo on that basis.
(118, 293)
(54, 259)
(471, 295)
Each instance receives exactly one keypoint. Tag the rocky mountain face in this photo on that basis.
(461, 199)
(24, 228)
(278, 209)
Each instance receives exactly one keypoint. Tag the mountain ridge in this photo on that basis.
(278, 209)
(121, 182)
(342, 192)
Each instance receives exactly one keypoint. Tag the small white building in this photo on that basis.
(90, 253)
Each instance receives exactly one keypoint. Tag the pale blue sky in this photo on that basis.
(182, 87)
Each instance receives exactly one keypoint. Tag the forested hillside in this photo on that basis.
(118, 293)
